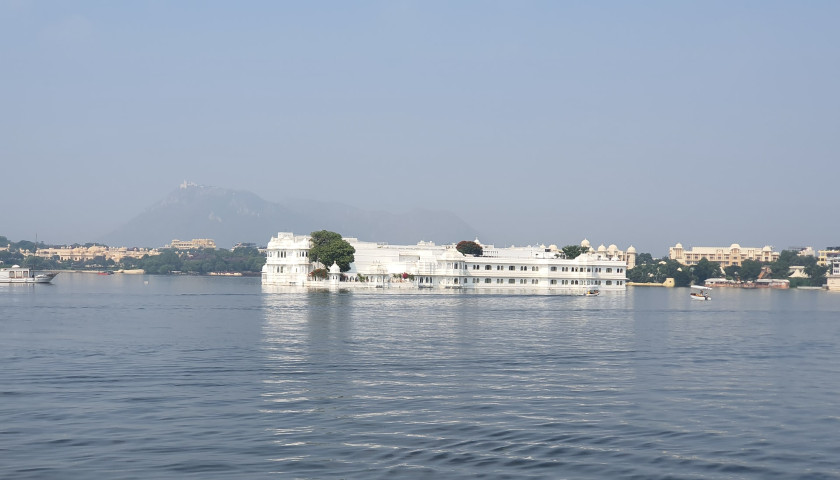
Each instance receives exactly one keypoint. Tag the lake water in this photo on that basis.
(147, 377)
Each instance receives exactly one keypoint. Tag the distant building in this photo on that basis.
(725, 256)
(83, 254)
(824, 257)
(628, 256)
(833, 275)
(531, 269)
(803, 251)
(193, 244)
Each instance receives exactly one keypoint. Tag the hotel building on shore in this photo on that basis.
(725, 256)
(531, 269)
(83, 254)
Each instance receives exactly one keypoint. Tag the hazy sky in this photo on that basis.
(643, 123)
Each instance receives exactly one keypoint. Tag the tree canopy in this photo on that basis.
(328, 248)
(468, 247)
(705, 269)
(573, 251)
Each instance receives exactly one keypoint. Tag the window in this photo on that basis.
(554, 282)
(609, 282)
(511, 267)
(511, 281)
(609, 269)
(486, 280)
(523, 268)
(553, 269)
(535, 269)
(487, 267)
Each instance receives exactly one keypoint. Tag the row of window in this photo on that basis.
(284, 253)
(523, 268)
(283, 269)
(525, 281)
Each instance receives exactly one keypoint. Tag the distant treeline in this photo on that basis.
(653, 270)
(246, 260)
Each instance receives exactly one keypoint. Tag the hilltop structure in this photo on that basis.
(193, 244)
(532, 269)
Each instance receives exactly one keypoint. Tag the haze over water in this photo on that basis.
(164, 377)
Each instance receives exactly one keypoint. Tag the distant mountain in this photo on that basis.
(232, 216)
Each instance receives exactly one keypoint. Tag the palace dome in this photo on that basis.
(602, 248)
(585, 243)
(678, 245)
(631, 249)
(734, 246)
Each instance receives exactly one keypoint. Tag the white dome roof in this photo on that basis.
(767, 248)
(678, 245)
(602, 248)
(735, 245)
(631, 249)
(585, 243)
(612, 248)
(452, 254)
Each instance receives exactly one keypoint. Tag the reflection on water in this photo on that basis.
(643, 384)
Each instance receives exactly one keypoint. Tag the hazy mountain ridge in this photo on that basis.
(230, 216)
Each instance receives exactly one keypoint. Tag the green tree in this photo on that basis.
(328, 248)
(732, 272)
(468, 247)
(25, 245)
(573, 251)
(781, 267)
(749, 270)
(705, 269)
(676, 270)
(644, 258)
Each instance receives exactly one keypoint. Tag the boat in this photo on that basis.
(592, 292)
(18, 274)
(700, 292)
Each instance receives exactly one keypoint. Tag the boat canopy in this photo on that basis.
(701, 287)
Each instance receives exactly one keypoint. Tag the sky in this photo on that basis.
(627, 123)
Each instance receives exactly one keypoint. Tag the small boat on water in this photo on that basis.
(18, 274)
(592, 292)
(699, 292)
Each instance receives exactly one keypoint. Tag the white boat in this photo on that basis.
(699, 292)
(592, 292)
(18, 274)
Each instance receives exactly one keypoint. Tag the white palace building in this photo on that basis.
(441, 267)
